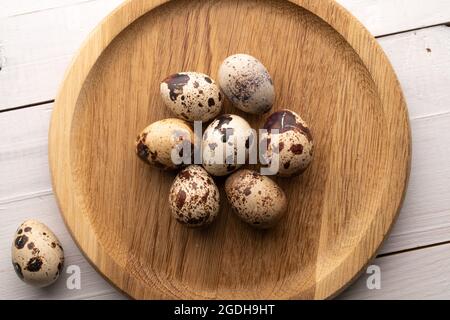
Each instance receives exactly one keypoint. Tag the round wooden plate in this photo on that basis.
(325, 66)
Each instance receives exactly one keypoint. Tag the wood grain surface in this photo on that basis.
(325, 65)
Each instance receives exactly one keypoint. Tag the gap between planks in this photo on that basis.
(387, 254)
(27, 106)
(447, 24)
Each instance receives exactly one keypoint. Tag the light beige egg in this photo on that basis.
(166, 144)
(247, 83)
(37, 254)
(192, 96)
(255, 198)
(226, 144)
(194, 199)
(292, 148)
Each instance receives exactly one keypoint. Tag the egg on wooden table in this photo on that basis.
(293, 145)
(192, 96)
(164, 141)
(37, 254)
(194, 198)
(255, 198)
(226, 144)
(247, 83)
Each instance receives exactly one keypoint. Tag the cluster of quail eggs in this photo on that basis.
(194, 198)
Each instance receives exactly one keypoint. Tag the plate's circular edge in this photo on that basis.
(60, 126)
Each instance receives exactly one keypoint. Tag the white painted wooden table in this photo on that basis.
(38, 40)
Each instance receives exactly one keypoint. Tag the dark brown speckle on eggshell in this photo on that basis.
(175, 84)
(20, 241)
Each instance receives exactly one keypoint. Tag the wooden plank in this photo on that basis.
(379, 16)
(420, 274)
(106, 296)
(383, 17)
(425, 218)
(35, 64)
(421, 61)
(21, 7)
(38, 47)
(23, 153)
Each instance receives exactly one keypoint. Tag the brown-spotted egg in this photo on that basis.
(247, 83)
(194, 197)
(164, 141)
(293, 145)
(37, 255)
(192, 96)
(226, 143)
(255, 198)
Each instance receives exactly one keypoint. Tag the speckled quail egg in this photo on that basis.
(37, 255)
(295, 143)
(194, 197)
(255, 198)
(247, 83)
(226, 143)
(166, 144)
(192, 96)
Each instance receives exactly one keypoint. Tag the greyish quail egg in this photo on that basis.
(247, 83)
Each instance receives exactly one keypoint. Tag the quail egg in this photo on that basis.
(293, 145)
(247, 83)
(37, 255)
(192, 96)
(255, 198)
(194, 197)
(226, 144)
(166, 144)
